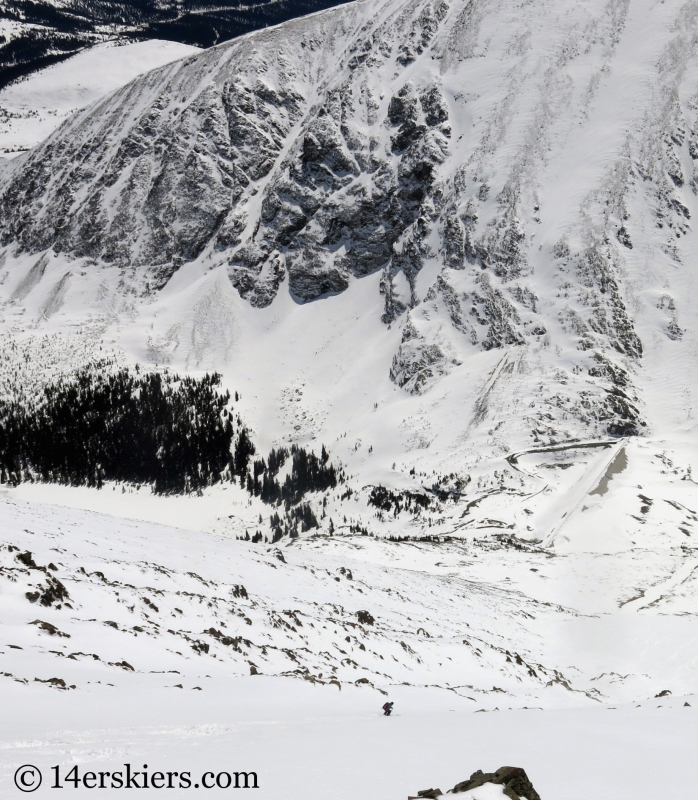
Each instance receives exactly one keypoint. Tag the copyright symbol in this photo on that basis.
(27, 778)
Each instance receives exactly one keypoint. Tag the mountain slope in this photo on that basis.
(503, 169)
(490, 210)
(446, 247)
(133, 601)
(34, 107)
(38, 33)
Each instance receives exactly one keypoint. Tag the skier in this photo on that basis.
(387, 708)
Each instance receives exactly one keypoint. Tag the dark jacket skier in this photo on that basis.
(387, 708)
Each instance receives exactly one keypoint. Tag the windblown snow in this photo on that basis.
(452, 242)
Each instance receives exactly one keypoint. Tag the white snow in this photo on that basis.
(314, 742)
(560, 602)
(317, 740)
(32, 108)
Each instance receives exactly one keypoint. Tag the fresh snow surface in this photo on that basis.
(315, 743)
(143, 596)
(32, 108)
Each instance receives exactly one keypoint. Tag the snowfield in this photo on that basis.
(311, 741)
(157, 638)
(453, 244)
(34, 107)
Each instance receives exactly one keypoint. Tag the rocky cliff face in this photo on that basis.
(492, 161)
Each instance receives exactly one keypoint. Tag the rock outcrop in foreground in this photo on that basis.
(516, 784)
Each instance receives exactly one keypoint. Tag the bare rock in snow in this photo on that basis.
(516, 784)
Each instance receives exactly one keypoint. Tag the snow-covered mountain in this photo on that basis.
(33, 108)
(38, 33)
(450, 242)
(519, 198)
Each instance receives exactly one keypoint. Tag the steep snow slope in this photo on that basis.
(33, 108)
(129, 600)
(451, 242)
(518, 179)
(489, 206)
(314, 742)
(37, 33)
(147, 659)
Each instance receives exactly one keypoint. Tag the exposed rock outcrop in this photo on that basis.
(514, 781)
(363, 141)
(516, 784)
